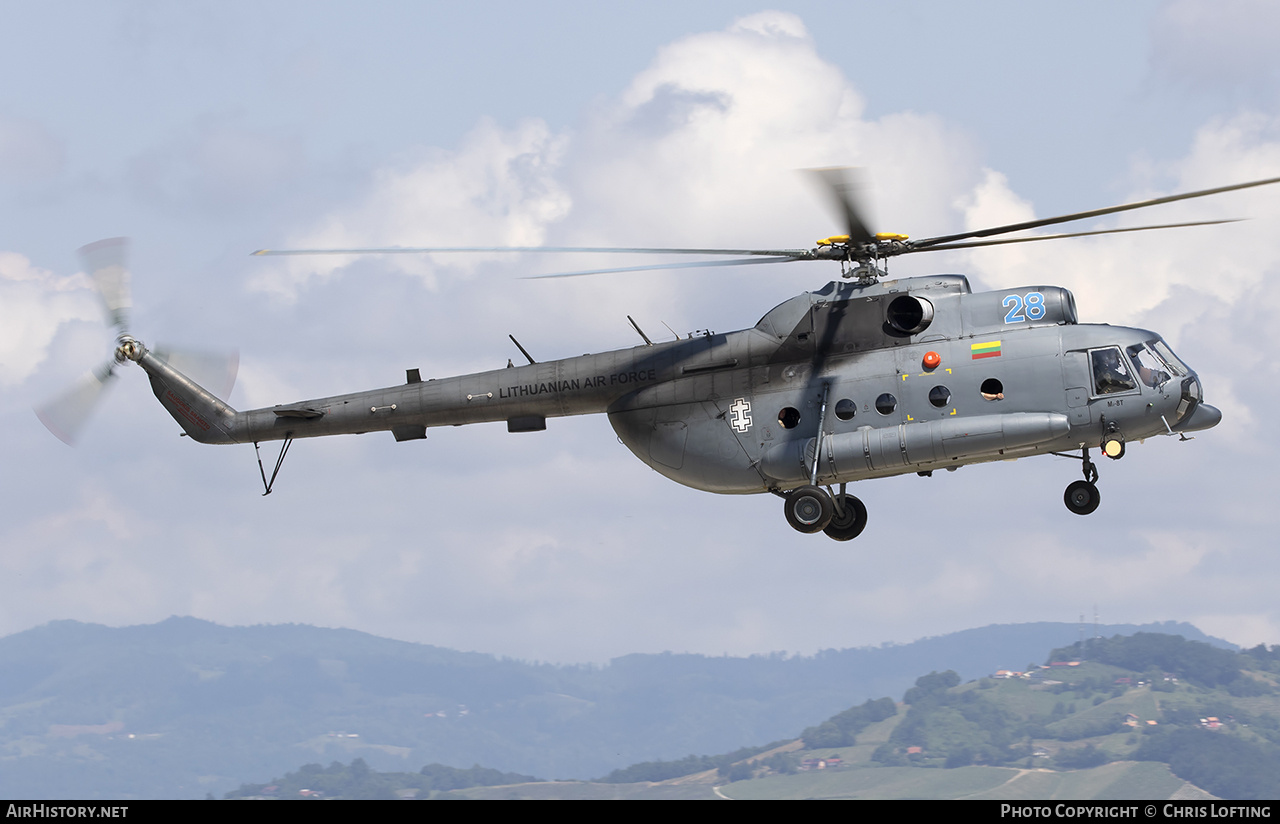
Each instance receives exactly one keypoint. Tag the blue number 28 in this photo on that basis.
(1032, 305)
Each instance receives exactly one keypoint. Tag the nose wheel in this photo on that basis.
(1083, 497)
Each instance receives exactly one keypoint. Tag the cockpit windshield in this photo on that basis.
(1151, 368)
(1176, 366)
(1151, 363)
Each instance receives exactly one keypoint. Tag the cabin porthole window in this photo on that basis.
(886, 403)
(939, 395)
(846, 409)
(789, 417)
(992, 389)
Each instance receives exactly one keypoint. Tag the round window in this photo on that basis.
(846, 409)
(886, 403)
(789, 417)
(939, 395)
(992, 389)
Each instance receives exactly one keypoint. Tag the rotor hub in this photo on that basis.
(128, 349)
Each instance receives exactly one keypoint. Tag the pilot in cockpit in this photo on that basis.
(1150, 368)
(1110, 375)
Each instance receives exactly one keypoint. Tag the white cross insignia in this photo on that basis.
(740, 420)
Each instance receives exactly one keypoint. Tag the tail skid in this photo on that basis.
(203, 416)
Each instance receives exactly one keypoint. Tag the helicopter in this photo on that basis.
(866, 377)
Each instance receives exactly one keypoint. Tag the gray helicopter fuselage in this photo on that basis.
(898, 376)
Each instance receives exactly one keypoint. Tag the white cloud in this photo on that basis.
(1119, 278)
(992, 203)
(701, 149)
(703, 146)
(34, 303)
(497, 189)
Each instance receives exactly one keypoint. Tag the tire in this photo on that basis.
(1082, 497)
(808, 509)
(848, 521)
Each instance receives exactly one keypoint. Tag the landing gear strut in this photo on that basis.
(1083, 497)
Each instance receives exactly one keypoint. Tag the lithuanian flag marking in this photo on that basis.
(991, 349)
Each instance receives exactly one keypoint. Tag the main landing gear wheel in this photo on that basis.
(1082, 497)
(849, 520)
(808, 509)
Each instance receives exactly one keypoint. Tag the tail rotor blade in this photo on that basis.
(67, 414)
(106, 261)
(843, 187)
(215, 371)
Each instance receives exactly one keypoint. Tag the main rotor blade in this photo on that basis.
(215, 371)
(106, 261)
(975, 244)
(920, 245)
(842, 188)
(700, 264)
(426, 250)
(67, 414)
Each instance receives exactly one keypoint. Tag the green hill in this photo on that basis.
(1073, 729)
(184, 708)
(1145, 716)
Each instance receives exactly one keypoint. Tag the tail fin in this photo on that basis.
(201, 414)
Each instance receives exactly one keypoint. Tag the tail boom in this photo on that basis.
(203, 416)
(523, 396)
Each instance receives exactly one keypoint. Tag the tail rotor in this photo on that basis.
(106, 262)
(67, 414)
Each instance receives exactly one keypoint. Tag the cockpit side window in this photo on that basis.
(1111, 374)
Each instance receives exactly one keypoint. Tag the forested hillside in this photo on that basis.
(1147, 716)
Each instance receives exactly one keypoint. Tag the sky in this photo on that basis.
(204, 131)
